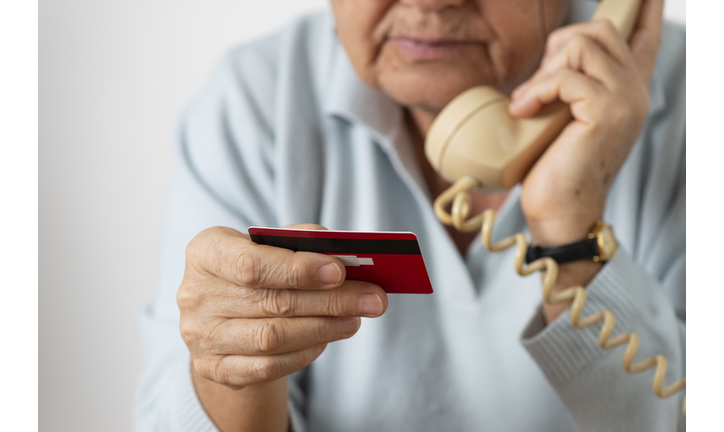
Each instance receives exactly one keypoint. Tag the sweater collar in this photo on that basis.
(352, 100)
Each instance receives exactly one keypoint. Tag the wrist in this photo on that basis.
(555, 232)
(254, 407)
(579, 246)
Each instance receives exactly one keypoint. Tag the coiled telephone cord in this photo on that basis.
(459, 195)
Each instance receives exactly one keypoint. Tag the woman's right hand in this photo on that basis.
(252, 314)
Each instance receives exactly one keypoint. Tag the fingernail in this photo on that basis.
(350, 325)
(370, 305)
(330, 274)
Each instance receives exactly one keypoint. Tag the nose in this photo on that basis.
(432, 5)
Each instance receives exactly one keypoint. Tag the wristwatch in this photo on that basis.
(599, 246)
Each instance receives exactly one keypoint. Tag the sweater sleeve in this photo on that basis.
(598, 393)
(644, 286)
(222, 175)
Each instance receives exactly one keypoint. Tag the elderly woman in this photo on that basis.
(324, 124)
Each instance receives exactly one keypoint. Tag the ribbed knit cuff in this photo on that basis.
(562, 350)
(190, 415)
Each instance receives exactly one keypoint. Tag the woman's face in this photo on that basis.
(425, 52)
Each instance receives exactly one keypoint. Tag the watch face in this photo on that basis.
(606, 243)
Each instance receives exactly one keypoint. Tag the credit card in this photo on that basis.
(392, 260)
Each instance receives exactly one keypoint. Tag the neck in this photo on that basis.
(421, 120)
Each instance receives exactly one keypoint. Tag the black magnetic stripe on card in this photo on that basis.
(341, 246)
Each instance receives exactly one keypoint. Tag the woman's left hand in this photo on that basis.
(606, 83)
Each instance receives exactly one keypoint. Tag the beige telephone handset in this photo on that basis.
(474, 143)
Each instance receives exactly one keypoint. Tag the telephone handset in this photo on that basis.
(480, 115)
(474, 143)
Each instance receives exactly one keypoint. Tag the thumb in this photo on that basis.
(646, 37)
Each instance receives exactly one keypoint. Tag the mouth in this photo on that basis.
(420, 49)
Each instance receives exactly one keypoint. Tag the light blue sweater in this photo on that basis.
(285, 133)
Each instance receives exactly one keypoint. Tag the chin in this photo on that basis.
(426, 90)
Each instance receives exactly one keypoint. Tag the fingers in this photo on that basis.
(567, 85)
(237, 371)
(587, 60)
(270, 336)
(352, 298)
(232, 256)
(253, 313)
(257, 266)
(640, 54)
(601, 31)
(584, 54)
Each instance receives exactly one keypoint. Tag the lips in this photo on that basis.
(428, 49)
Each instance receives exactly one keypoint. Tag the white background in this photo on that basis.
(114, 77)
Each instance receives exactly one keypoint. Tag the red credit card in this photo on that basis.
(392, 260)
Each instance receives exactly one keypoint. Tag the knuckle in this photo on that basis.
(264, 368)
(267, 336)
(555, 38)
(192, 254)
(559, 80)
(277, 303)
(202, 239)
(218, 371)
(200, 366)
(580, 42)
(246, 265)
(296, 276)
(335, 304)
(204, 253)
(211, 368)
(322, 330)
(193, 245)
(201, 340)
(566, 75)
(189, 297)
(188, 330)
(209, 334)
(605, 26)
